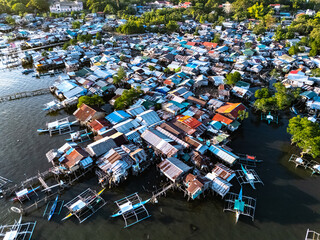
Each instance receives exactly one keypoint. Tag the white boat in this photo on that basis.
(126, 207)
(57, 125)
(250, 177)
(52, 106)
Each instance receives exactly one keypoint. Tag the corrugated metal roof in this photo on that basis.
(173, 168)
(117, 116)
(223, 154)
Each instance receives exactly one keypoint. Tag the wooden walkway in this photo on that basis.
(161, 191)
(25, 94)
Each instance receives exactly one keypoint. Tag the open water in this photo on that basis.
(287, 204)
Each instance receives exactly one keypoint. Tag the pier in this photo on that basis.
(161, 191)
(26, 94)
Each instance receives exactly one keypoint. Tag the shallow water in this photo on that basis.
(287, 204)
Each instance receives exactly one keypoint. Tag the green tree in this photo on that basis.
(305, 134)
(95, 100)
(232, 78)
(240, 9)
(243, 114)
(172, 26)
(262, 93)
(44, 53)
(41, 5)
(19, 8)
(248, 44)
(65, 45)
(127, 98)
(10, 20)
(98, 36)
(76, 25)
(269, 20)
(257, 10)
(216, 38)
(293, 50)
(259, 29)
(122, 58)
(121, 74)
(109, 9)
(152, 68)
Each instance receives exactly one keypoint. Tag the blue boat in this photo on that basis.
(239, 205)
(126, 207)
(250, 178)
(53, 208)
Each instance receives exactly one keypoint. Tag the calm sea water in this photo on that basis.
(287, 204)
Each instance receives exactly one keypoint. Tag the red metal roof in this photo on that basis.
(191, 43)
(210, 44)
(220, 118)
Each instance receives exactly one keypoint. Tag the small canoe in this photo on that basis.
(53, 208)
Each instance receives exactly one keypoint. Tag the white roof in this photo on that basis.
(22, 193)
(126, 207)
(77, 205)
(10, 235)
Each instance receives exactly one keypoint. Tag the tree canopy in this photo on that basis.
(232, 78)
(281, 99)
(305, 134)
(95, 100)
(127, 98)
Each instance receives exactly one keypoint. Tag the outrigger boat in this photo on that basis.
(132, 209)
(24, 194)
(19, 230)
(52, 106)
(80, 204)
(249, 176)
(53, 208)
(239, 205)
(60, 126)
(129, 207)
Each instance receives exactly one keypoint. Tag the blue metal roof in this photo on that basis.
(117, 116)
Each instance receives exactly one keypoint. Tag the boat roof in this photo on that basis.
(238, 205)
(57, 123)
(11, 235)
(22, 192)
(77, 205)
(250, 176)
(126, 207)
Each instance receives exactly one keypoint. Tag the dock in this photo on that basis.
(43, 183)
(161, 191)
(26, 94)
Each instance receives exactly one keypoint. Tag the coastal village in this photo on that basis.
(171, 101)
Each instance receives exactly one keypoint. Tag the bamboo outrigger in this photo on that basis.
(61, 126)
(85, 205)
(21, 231)
(132, 208)
(312, 235)
(314, 166)
(241, 205)
(269, 118)
(245, 176)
